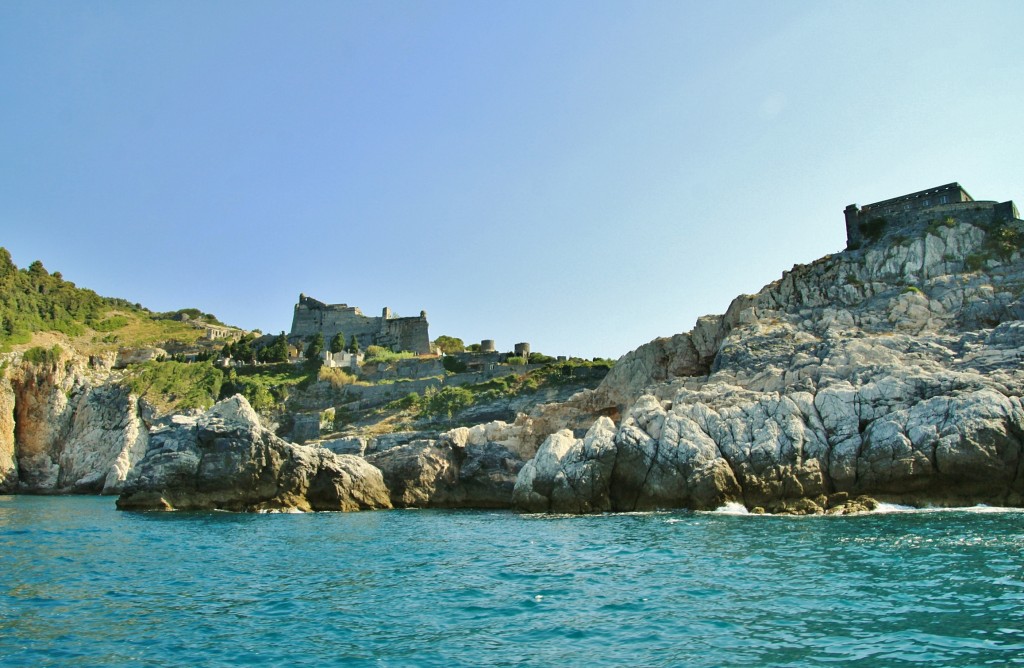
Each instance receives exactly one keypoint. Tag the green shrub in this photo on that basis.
(411, 400)
(381, 355)
(110, 324)
(43, 356)
(338, 378)
(447, 402)
(449, 345)
(1004, 241)
(267, 387)
(975, 261)
(873, 229)
(937, 224)
(453, 364)
(342, 417)
(177, 385)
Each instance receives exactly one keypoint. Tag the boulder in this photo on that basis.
(225, 459)
(450, 472)
(569, 475)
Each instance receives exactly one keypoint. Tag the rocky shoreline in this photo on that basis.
(891, 372)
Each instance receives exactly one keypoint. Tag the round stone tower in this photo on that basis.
(523, 350)
(487, 346)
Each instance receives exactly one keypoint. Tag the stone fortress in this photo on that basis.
(389, 331)
(948, 200)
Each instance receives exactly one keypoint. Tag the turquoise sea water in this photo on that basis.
(85, 585)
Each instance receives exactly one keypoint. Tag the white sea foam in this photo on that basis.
(732, 508)
(884, 508)
(980, 508)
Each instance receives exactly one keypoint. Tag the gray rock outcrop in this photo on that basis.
(894, 371)
(225, 459)
(463, 468)
(569, 475)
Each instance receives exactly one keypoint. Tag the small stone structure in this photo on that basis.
(218, 333)
(947, 200)
(312, 317)
(342, 360)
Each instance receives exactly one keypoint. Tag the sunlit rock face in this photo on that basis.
(893, 371)
(65, 427)
(225, 459)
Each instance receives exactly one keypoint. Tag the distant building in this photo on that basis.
(312, 317)
(948, 199)
(217, 332)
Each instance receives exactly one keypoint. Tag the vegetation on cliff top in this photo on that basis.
(171, 385)
(34, 300)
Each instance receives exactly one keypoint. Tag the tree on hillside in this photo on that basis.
(338, 343)
(315, 347)
(449, 345)
(7, 266)
(353, 346)
(242, 350)
(277, 351)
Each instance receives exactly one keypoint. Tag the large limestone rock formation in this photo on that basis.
(892, 371)
(569, 475)
(225, 459)
(463, 468)
(64, 427)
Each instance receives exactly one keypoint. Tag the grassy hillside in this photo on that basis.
(33, 300)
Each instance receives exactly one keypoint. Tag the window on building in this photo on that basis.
(943, 199)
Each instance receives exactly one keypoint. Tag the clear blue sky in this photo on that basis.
(585, 176)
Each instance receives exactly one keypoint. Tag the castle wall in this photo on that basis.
(968, 211)
(951, 193)
(408, 334)
(312, 316)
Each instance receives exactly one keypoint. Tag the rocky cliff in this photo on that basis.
(893, 371)
(66, 425)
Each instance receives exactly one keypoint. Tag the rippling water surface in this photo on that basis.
(82, 584)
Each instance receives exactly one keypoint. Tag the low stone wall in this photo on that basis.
(367, 396)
